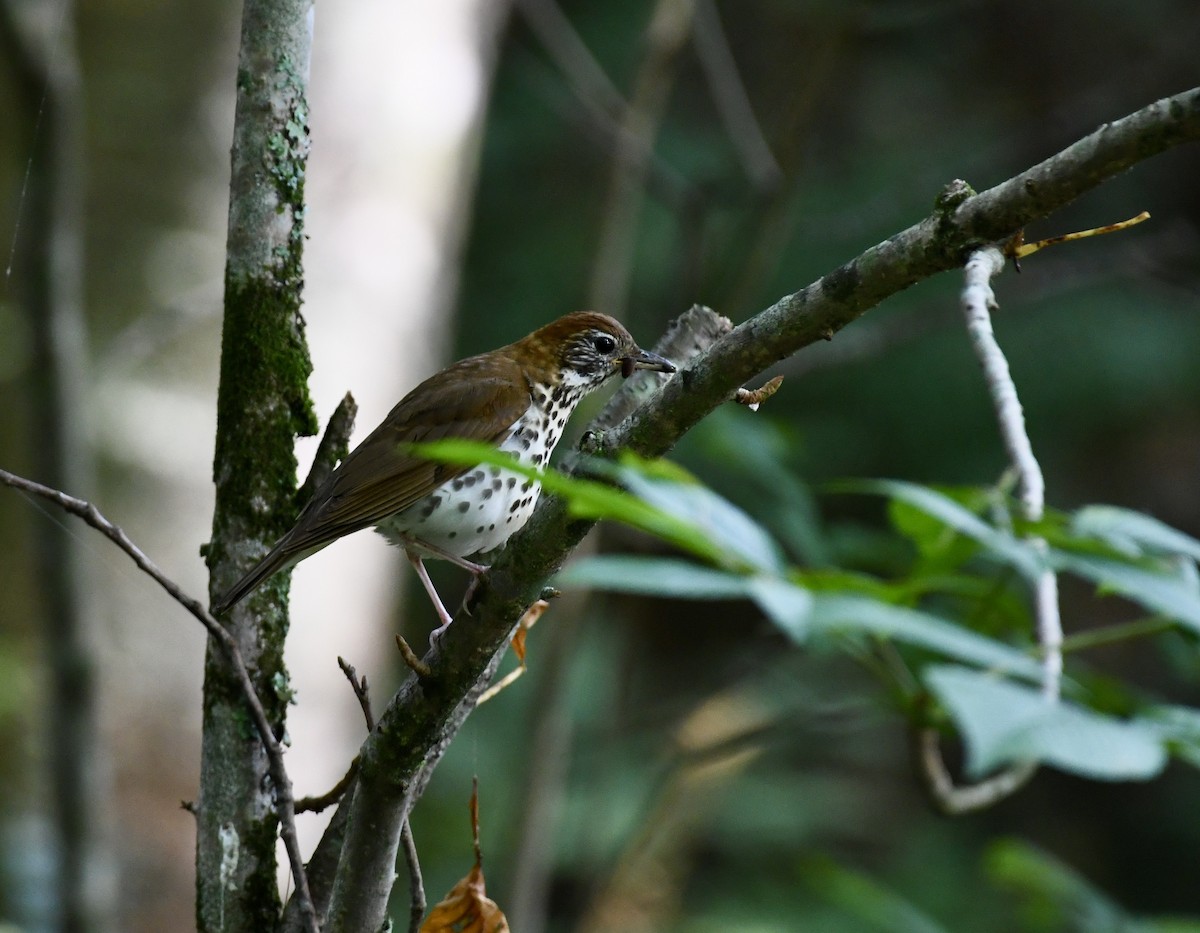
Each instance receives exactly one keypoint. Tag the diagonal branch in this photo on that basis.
(425, 714)
(284, 799)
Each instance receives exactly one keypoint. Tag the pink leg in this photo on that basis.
(437, 552)
(474, 569)
(443, 615)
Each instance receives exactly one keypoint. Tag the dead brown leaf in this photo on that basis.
(532, 614)
(467, 908)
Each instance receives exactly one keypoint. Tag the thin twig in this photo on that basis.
(603, 104)
(956, 799)
(731, 100)
(752, 398)
(331, 796)
(416, 883)
(415, 664)
(978, 300)
(1018, 249)
(359, 686)
(334, 445)
(666, 35)
(284, 801)
(592, 86)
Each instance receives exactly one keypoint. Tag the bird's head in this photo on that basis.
(587, 349)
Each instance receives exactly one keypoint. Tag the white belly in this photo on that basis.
(481, 509)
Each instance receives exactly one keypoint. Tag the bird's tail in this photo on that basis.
(280, 558)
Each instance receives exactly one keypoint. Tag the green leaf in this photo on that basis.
(864, 898)
(1133, 533)
(784, 603)
(1005, 722)
(718, 519)
(832, 614)
(653, 576)
(1172, 594)
(787, 605)
(1001, 544)
(1179, 726)
(585, 498)
(753, 451)
(677, 510)
(1057, 897)
(941, 547)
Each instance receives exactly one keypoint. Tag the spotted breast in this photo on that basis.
(479, 511)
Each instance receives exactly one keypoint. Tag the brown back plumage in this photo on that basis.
(479, 398)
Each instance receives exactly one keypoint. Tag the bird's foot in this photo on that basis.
(473, 586)
(436, 636)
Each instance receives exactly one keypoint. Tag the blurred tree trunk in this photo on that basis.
(262, 404)
(48, 256)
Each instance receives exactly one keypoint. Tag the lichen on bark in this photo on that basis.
(263, 403)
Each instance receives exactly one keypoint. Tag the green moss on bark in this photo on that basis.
(262, 405)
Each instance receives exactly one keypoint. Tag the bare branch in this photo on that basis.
(335, 443)
(331, 796)
(359, 686)
(604, 105)
(284, 801)
(425, 714)
(416, 883)
(670, 25)
(978, 300)
(954, 799)
(732, 102)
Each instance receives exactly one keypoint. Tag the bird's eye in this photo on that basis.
(604, 343)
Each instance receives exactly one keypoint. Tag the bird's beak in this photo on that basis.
(644, 359)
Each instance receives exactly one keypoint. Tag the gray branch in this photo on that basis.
(425, 713)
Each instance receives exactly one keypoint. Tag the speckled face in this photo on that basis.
(597, 353)
(480, 510)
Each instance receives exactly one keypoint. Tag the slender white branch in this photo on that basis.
(957, 799)
(978, 300)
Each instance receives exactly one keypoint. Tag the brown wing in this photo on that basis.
(476, 399)
(479, 398)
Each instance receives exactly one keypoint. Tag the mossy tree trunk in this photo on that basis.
(262, 404)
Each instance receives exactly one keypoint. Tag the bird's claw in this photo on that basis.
(473, 587)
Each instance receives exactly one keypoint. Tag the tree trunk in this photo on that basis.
(262, 404)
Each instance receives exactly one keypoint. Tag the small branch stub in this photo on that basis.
(1017, 249)
(415, 664)
(361, 691)
(752, 398)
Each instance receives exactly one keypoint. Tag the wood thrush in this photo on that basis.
(518, 397)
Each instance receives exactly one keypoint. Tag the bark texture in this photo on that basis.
(262, 404)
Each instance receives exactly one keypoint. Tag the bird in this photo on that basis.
(517, 398)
